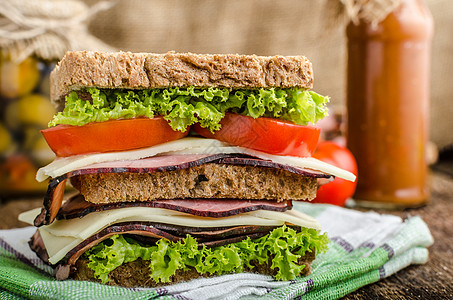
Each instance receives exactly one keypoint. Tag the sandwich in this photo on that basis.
(183, 165)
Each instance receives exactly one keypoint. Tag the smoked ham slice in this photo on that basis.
(77, 207)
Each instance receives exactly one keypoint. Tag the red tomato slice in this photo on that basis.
(115, 135)
(265, 134)
(339, 190)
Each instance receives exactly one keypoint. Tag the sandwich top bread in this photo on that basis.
(186, 165)
(128, 70)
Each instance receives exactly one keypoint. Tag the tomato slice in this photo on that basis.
(115, 135)
(265, 134)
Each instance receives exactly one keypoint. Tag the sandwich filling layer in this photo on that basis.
(183, 107)
(62, 236)
(215, 246)
(189, 145)
(279, 252)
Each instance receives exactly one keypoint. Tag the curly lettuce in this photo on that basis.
(183, 107)
(283, 247)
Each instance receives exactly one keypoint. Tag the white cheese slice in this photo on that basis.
(63, 165)
(188, 145)
(58, 246)
(88, 225)
(289, 217)
(63, 235)
(29, 216)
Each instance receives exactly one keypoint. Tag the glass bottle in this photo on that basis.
(388, 106)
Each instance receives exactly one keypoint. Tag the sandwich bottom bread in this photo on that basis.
(137, 272)
(184, 166)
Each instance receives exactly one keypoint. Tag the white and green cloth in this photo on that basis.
(364, 248)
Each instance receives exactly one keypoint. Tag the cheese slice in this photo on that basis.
(29, 216)
(188, 145)
(63, 165)
(58, 246)
(63, 235)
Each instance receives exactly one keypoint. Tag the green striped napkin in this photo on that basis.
(364, 248)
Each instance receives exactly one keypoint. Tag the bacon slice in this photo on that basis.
(52, 200)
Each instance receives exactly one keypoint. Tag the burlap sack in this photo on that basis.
(47, 28)
(267, 27)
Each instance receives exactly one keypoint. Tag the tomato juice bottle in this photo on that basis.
(388, 106)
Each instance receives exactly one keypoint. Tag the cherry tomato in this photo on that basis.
(265, 134)
(115, 135)
(339, 190)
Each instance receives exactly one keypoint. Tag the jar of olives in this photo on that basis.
(34, 34)
(25, 109)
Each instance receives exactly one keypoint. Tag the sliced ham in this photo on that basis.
(149, 165)
(77, 207)
(203, 234)
(37, 245)
(235, 239)
(53, 199)
(178, 162)
(147, 230)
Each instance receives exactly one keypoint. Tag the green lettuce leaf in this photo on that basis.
(282, 246)
(183, 107)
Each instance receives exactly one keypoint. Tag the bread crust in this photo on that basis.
(79, 69)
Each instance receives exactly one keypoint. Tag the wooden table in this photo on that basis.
(434, 280)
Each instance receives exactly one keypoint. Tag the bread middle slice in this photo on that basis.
(205, 181)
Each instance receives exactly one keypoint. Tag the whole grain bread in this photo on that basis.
(205, 181)
(137, 273)
(79, 69)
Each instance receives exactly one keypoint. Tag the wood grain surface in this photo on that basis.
(433, 280)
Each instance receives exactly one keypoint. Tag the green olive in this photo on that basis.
(17, 80)
(36, 146)
(11, 118)
(5, 138)
(35, 109)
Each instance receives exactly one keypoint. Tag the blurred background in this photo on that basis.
(267, 27)
(315, 29)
